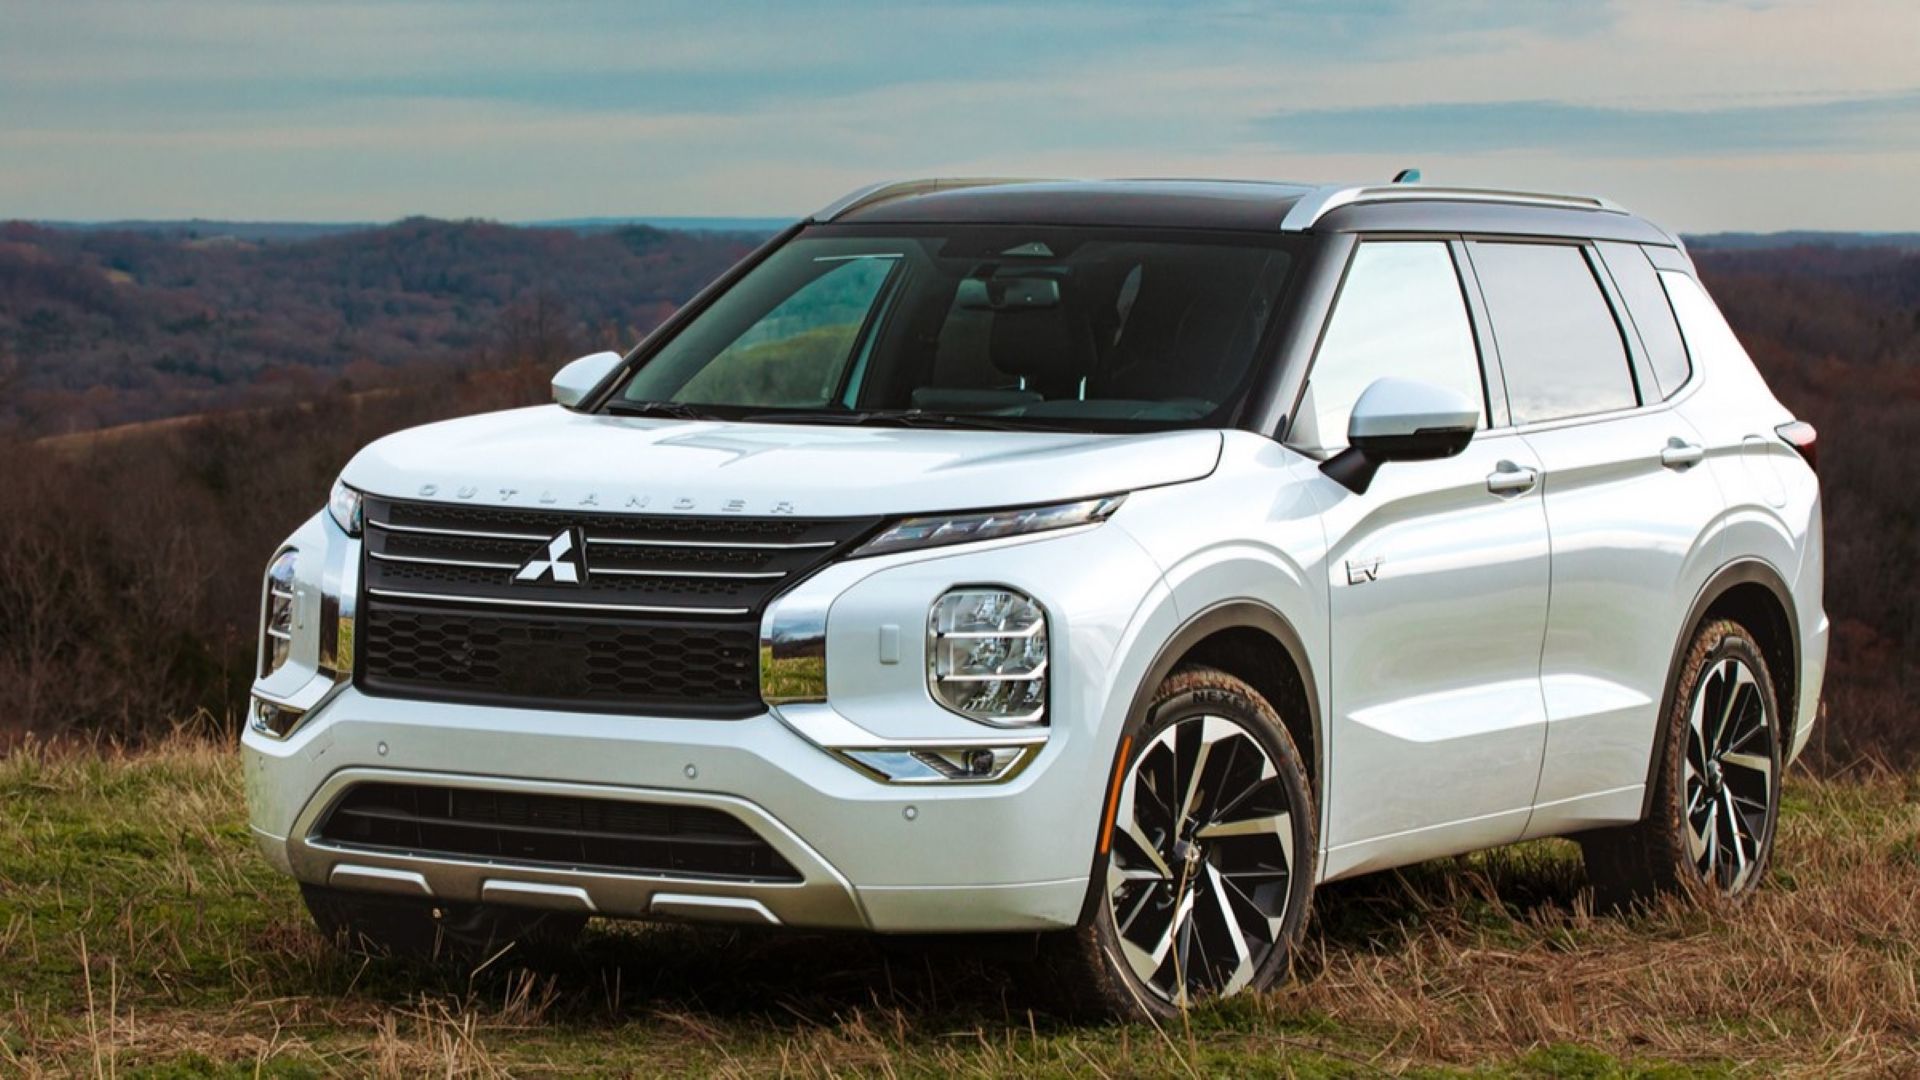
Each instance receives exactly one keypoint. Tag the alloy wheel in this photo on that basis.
(1728, 776)
(1202, 860)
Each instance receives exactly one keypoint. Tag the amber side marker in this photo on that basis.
(1113, 796)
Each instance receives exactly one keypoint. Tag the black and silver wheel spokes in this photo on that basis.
(1202, 858)
(1728, 775)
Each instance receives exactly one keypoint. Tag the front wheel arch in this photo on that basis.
(1243, 621)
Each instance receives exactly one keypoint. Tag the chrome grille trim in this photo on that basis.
(743, 545)
(726, 575)
(638, 609)
(383, 557)
(469, 534)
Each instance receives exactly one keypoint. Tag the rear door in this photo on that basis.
(1437, 583)
(1627, 505)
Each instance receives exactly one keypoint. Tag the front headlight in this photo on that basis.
(276, 612)
(942, 529)
(987, 655)
(343, 505)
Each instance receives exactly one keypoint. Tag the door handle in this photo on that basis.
(1680, 454)
(1510, 479)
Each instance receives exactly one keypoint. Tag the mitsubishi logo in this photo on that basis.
(561, 559)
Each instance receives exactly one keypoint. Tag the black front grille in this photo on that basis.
(663, 616)
(552, 830)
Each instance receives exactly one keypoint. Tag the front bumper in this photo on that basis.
(925, 857)
(872, 856)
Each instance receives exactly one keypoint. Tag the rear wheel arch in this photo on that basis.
(1752, 593)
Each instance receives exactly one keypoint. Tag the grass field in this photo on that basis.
(140, 935)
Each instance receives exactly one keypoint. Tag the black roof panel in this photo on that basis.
(1238, 205)
(1199, 204)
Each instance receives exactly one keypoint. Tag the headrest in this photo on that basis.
(1051, 348)
(1175, 343)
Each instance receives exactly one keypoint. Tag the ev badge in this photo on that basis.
(561, 560)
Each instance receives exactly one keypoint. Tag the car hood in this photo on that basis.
(551, 457)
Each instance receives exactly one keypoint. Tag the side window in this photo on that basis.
(1560, 348)
(1639, 285)
(1400, 312)
(795, 355)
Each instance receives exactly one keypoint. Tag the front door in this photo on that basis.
(1437, 580)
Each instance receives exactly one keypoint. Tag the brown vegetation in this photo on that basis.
(103, 327)
(1836, 331)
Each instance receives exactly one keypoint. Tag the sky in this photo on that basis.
(1707, 115)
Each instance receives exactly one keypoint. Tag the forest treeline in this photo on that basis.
(130, 561)
(104, 327)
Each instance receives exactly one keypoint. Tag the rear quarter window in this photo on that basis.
(1652, 314)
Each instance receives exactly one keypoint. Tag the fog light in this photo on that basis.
(275, 720)
(941, 764)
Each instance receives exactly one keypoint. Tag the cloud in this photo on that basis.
(365, 109)
(1864, 123)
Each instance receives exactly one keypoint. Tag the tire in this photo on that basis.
(372, 924)
(1709, 830)
(1211, 902)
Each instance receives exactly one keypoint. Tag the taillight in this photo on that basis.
(1801, 436)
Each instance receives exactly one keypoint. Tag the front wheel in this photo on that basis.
(1205, 871)
(1716, 794)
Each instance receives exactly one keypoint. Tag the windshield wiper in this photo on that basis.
(814, 416)
(671, 410)
(978, 421)
(890, 418)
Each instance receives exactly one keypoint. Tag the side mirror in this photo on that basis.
(1401, 420)
(575, 381)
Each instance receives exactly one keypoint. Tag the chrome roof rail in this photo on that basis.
(1323, 201)
(901, 189)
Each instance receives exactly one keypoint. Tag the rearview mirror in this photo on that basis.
(575, 381)
(1008, 293)
(1401, 420)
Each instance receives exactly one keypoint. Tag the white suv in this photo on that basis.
(1110, 560)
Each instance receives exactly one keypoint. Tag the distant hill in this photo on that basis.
(270, 231)
(199, 228)
(762, 226)
(1746, 241)
(103, 325)
(267, 231)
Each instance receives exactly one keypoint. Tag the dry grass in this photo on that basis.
(140, 935)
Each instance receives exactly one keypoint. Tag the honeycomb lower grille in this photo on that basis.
(583, 662)
(582, 611)
(553, 830)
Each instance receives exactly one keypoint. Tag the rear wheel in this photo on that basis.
(1207, 872)
(425, 930)
(1716, 794)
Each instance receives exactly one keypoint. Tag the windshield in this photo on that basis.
(977, 326)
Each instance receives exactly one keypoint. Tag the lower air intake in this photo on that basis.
(560, 831)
